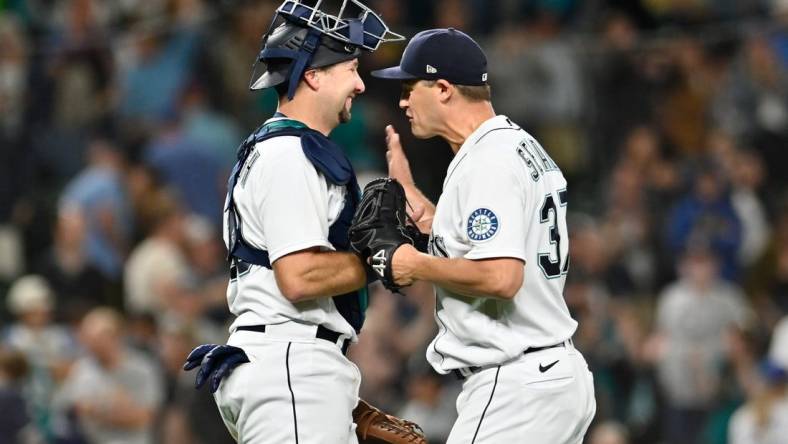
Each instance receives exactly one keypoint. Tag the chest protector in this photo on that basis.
(332, 162)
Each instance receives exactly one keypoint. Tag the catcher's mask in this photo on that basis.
(303, 36)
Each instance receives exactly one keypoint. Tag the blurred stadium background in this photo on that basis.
(119, 122)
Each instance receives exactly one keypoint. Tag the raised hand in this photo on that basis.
(399, 167)
(419, 208)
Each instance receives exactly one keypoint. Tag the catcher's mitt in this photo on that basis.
(380, 226)
(376, 427)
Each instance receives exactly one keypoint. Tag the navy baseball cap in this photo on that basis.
(440, 54)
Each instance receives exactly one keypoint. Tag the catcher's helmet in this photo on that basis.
(302, 36)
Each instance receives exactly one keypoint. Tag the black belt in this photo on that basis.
(238, 268)
(462, 373)
(536, 349)
(322, 333)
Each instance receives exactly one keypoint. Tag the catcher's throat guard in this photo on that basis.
(314, 34)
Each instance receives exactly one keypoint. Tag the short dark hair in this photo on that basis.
(474, 93)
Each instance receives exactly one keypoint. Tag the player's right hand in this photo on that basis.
(399, 168)
(215, 361)
(403, 265)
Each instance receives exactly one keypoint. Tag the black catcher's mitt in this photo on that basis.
(380, 226)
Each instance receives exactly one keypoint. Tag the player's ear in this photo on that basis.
(445, 90)
(312, 79)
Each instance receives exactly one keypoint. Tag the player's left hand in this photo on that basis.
(215, 361)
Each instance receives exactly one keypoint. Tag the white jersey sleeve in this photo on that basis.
(492, 211)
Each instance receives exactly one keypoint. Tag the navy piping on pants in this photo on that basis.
(488, 405)
(292, 396)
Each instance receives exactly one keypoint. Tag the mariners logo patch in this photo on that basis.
(482, 225)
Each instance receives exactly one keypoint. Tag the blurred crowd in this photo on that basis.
(119, 122)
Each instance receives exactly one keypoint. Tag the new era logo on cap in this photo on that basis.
(484, 77)
(431, 69)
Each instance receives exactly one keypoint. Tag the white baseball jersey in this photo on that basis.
(502, 197)
(285, 205)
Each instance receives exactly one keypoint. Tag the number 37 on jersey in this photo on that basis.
(551, 212)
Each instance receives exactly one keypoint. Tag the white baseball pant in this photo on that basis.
(295, 389)
(544, 397)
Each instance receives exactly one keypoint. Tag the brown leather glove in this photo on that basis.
(376, 427)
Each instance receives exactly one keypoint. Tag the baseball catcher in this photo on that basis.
(295, 285)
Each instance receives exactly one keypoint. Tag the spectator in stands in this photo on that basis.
(776, 266)
(114, 391)
(764, 419)
(745, 170)
(212, 131)
(99, 191)
(159, 71)
(15, 422)
(694, 316)
(189, 168)
(49, 349)
(752, 103)
(79, 286)
(16, 158)
(81, 72)
(157, 274)
(189, 416)
(430, 403)
(395, 329)
(618, 82)
(206, 256)
(541, 74)
(229, 53)
(707, 215)
(627, 230)
(14, 67)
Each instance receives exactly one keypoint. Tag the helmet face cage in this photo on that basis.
(344, 25)
(354, 25)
